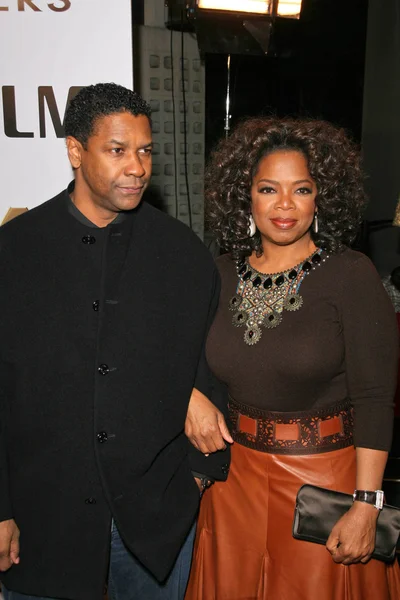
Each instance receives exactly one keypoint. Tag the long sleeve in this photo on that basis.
(371, 351)
(5, 501)
(203, 381)
(216, 465)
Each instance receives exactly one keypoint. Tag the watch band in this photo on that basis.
(375, 498)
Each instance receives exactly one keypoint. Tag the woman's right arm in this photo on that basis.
(371, 348)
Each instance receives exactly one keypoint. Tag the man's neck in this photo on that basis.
(97, 216)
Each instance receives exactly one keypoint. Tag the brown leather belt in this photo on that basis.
(307, 432)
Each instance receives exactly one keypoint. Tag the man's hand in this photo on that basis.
(205, 425)
(9, 544)
(352, 539)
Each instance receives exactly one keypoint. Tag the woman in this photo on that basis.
(305, 339)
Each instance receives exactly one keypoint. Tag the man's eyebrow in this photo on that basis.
(114, 141)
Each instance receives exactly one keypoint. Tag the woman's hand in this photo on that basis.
(205, 425)
(352, 539)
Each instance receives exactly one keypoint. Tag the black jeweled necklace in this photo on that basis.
(261, 298)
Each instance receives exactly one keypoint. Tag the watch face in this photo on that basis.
(380, 498)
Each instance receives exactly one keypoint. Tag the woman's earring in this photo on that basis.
(251, 229)
(315, 223)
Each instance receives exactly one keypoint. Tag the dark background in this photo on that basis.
(315, 68)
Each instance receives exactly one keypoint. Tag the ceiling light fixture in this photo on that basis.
(245, 6)
(277, 8)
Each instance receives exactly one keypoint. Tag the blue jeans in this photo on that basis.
(129, 580)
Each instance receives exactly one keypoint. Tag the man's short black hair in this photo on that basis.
(96, 101)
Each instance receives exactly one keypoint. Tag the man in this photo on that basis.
(105, 304)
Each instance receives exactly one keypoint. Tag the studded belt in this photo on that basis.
(307, 432)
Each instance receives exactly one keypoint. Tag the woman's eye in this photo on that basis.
(266, 190)
(304, 190)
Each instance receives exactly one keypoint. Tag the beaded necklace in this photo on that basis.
(261, 298)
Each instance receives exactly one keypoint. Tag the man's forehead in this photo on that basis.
(121, 123)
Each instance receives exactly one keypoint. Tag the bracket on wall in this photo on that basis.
(180, 16)
(261, 32)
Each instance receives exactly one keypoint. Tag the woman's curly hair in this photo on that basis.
(333, 162)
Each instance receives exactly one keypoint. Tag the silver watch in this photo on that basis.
(376, 498)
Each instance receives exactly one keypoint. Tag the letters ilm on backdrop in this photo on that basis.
(45, 93)
(40, 77)
(45, 97)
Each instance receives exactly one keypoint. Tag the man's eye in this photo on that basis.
(146, 151)
(116, 150)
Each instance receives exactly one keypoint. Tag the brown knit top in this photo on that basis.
(341, 343)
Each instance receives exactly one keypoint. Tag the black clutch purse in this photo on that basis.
(318, 509)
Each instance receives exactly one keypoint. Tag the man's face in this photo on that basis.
(114, 169)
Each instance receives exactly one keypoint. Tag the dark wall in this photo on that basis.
(381, 129)
(316, 71)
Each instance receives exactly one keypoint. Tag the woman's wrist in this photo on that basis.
(362, 508)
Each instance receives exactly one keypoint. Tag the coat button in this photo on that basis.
(88, 239)
(95, 305)
(103, 369)
(102, 437)
(225, 468)
(90, 501)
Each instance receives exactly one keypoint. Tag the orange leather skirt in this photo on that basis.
(244, 548)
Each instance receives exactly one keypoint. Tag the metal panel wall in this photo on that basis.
(171, 77)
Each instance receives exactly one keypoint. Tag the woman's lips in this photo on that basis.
(284, 223)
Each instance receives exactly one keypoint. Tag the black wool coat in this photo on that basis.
(102, 335)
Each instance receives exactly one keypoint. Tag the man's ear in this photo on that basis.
(75, 150)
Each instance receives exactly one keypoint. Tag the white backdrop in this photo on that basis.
(47, 48)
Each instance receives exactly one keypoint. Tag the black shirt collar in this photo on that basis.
(76, 213)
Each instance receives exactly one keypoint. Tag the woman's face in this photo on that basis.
(283, 198)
